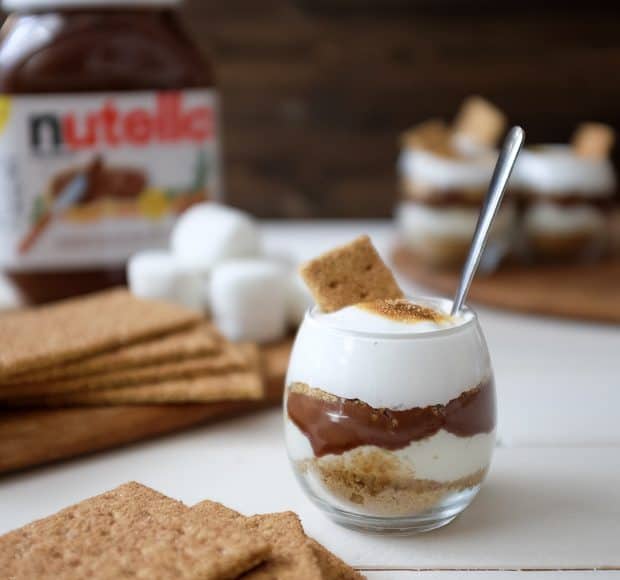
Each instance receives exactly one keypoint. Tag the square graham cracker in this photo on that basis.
(130, 532)
(232, 386)
(593, 140)
(38, 337)
(332, 567)
(190, 343)
(348, 275)
(292, 555)
(232, 357)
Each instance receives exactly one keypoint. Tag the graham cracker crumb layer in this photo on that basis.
(305, 389)
(349, 274)
(381, 483)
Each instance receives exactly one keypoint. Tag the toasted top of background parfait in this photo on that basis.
(441, 156)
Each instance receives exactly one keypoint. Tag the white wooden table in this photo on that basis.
(549, 509)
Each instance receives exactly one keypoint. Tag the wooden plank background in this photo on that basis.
(315, 92)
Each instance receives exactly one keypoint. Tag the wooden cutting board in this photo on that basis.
(29, 438)
(579, 291)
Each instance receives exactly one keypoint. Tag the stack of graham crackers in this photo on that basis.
(112, 348)
(136, 532)
(107, 369)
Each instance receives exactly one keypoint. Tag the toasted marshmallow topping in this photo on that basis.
(403, 310)
(387, 316)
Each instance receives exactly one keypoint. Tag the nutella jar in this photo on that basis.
(107, 132)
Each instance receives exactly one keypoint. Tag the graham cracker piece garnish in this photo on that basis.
(593, 140)
(433, 135)
(481, 121)
(190, 343)
(127, 533)
(292, 554)
(348, 275)
(402, 310)
(38, 337)
(232, 357)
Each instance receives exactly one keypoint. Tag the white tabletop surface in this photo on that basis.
(550, 507)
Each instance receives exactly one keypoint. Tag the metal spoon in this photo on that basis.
(503, 169)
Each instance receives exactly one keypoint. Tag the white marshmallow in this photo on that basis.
(248, 298)
(9, 296)
(210, 233)
(298, 299)
(157, 274)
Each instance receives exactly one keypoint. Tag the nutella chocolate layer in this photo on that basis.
(447, 197)
(334, 425)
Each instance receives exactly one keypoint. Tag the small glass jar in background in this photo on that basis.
(566, 202)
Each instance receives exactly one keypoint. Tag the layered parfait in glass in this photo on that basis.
(390, 402)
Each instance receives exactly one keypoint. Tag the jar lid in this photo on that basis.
(21, 5)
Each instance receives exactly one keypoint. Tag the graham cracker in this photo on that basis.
(233, 386)
(193, 342)
(37, 337)
(432, 135)
(35, 437)
(292, 555)
(232, 357)
(593, 140)
(130, 532)
(481, 121)
(332, 567)
(348, 275)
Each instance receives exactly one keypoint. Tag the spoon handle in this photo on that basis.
(503, 169)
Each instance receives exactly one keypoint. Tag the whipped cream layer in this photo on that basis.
(355, 353)
(556, 170)
(549, 218)
(442, 457)
(418, 222)
(441, 172)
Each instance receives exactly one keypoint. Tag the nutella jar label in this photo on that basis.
(86, 180)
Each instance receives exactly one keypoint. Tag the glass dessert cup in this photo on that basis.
(390, 431)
